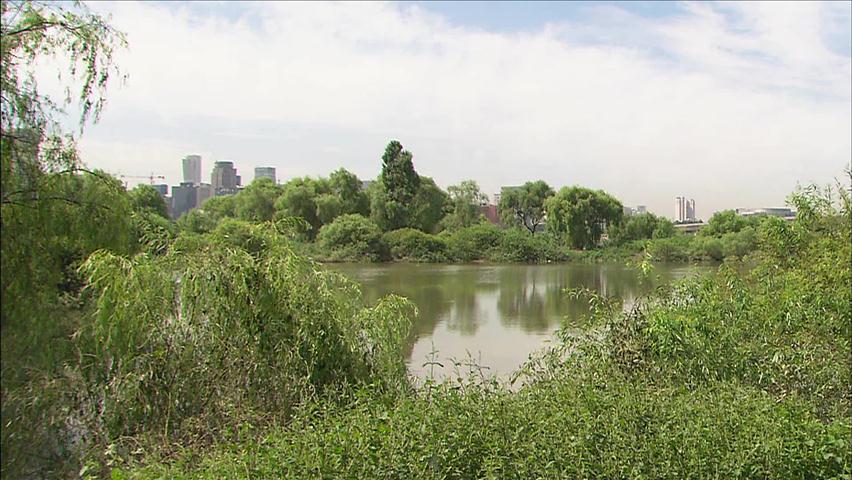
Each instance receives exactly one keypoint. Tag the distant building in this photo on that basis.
(203, 193)
(162, 189)
(639, 209)
(264, 172)
(365, 184)
(224, 178)
(184, 198)
(192, 169)
(491, 214)
(187, 196)
(684, 210)
(771, 211)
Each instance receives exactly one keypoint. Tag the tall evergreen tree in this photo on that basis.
(400, 183)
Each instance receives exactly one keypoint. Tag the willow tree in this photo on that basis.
(582, 214)
(53, 213)
(35, 152)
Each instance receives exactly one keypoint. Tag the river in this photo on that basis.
(495, 315)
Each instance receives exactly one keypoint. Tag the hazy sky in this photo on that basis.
(731, 104)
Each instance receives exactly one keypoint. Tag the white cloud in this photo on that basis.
(731, 104)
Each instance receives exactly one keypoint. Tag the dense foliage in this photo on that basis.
(134, 346)
(524, 205)
(464, 201)
(400, 183)
(582, 215)
(738, 374)
(351, 238)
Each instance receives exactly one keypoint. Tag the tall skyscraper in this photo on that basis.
(690, 209)
(264, 172)
(684, 209)
(224, 178)
(680, 210)
(192, 169)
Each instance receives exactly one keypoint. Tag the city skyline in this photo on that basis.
(230, 183)
(614, 96)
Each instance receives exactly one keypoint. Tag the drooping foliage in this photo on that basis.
(220, 330)
(582, 214)
(38, 163)
(742, 374)
(641, 226)
(299, 199)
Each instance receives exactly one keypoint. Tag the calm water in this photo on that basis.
(494, 314)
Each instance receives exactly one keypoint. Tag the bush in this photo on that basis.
(352, 237)
(674, 249)
(518, 245)
(739, 244)
(173, 356)
(414, 245)
(473, 243)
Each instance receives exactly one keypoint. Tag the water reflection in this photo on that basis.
(499, 313)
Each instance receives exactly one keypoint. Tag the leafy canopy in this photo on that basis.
(582, 214)
(524, 205)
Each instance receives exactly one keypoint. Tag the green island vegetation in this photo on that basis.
(402, 216)
(217, 347)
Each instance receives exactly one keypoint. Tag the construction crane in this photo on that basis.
(149, 177)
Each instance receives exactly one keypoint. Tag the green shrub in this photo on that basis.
(414, 245)
(352, 237)
(674, 249)
(173, 356)
(739, 244)
(473, 243)
(518, 245)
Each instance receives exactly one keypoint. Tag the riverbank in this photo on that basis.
(489, 244)
(739, 374)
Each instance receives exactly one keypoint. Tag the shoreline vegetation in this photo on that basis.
(215, 347)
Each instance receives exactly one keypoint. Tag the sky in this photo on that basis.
(731, 104)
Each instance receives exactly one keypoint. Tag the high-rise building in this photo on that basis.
(203, 193)
(680, 211)
(224, 178)
(684, 210)
(184, 198)
(192, 169)
(264, 172)
(187, 196)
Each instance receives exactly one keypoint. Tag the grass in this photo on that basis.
(259, 364)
